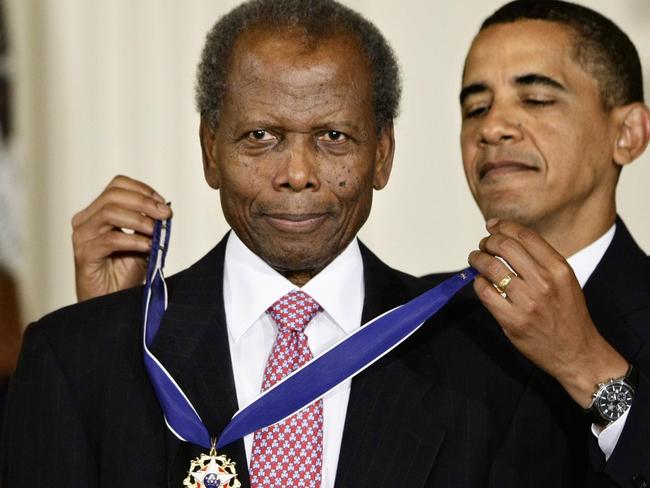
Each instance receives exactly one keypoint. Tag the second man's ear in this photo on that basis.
(633, 132)
(384, 156)
(208, 152)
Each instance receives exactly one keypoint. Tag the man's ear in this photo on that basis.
(384, 155)
(208, 152)
(633, 132)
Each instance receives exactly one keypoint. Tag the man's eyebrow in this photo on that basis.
(471, 90)
(537, 79)
(525, 80)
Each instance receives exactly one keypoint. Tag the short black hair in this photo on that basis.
(600, 47)
(318, 19)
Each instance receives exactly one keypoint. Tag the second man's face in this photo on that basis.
(296, 152)
(536, 140)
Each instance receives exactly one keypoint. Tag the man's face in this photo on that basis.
(296, 153)
(537, 143)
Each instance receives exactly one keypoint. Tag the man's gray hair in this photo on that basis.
(318, 19)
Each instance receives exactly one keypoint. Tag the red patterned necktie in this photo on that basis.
(289, 453)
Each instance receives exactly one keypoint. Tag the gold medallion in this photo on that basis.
(212, 471)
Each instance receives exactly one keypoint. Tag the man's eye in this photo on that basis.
(538, 101)
(476, 111)
(333, 136)
(260, 135)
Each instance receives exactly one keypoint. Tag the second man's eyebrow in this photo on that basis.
(471, 90)
(537, 79)
(525, 80)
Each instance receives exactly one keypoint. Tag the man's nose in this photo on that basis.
(299, 169)
(500, 125)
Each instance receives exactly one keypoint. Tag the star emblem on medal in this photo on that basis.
(211, 472)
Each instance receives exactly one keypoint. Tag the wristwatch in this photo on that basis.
(613, 398)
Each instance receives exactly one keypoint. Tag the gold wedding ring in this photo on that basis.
(502, 286)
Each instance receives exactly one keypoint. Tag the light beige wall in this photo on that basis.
(106, 87)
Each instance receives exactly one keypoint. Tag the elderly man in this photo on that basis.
(296, 100)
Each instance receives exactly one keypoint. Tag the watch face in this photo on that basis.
(614, 399)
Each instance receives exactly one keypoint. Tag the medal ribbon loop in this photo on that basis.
(180, 415)
(307, 384)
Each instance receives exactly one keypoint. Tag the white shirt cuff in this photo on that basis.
(608, 437)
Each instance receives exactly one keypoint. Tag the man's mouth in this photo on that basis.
(295, 222)
(494, 169)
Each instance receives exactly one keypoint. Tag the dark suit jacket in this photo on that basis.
(618, 297)
(437, 411)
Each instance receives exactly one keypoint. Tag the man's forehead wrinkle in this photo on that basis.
(247, 82)
(312, 89)
(312, 106)
(297, 99)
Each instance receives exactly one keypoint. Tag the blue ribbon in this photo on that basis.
(180, 415)
(344, 360)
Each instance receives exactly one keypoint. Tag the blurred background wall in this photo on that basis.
(106, 87)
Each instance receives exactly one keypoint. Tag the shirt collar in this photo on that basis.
(584, 262)
(251, 286)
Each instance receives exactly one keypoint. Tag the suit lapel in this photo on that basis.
(192, 344)
(618, 294)
(387, 423)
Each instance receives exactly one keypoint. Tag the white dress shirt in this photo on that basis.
(584, 263)
(250, 287)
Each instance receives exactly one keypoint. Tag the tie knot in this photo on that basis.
(294, 310)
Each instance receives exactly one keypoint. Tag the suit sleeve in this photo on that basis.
(629, 464)
(44, 442)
